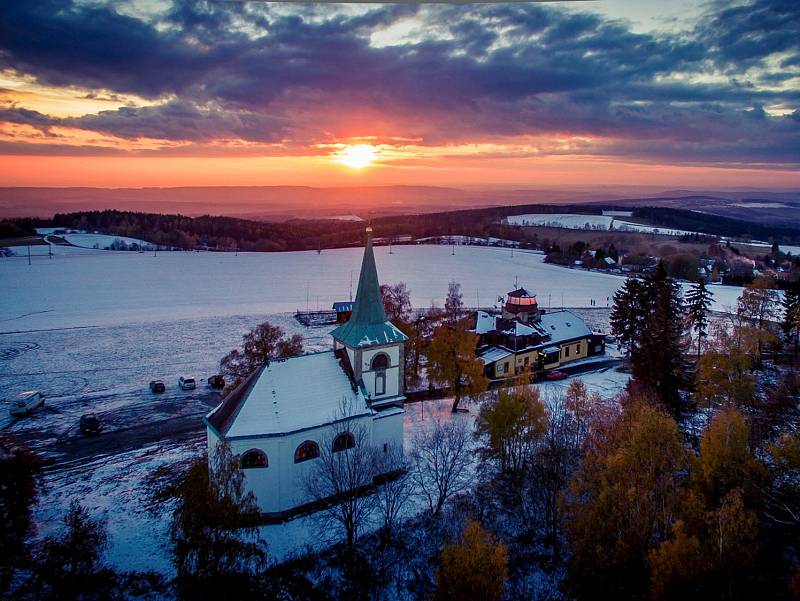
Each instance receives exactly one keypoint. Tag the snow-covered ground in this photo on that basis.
(91, 329)
(92, 240)
(89, 288)
(591, 222)
(566, 220)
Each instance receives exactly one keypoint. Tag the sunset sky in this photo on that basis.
(149, 93)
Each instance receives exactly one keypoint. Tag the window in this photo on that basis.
(380, 383)
(344, 441)
(527, 361)
(254, 458)
(306, 451)
(380, 361)
(566, 351)
(578, 349)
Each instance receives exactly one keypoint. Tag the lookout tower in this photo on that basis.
(521, 305)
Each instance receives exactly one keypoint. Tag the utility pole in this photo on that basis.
(351, 285)
(29, 254)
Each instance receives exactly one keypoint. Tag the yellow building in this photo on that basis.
(523, 338)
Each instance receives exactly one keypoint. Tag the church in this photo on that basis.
(276, 419)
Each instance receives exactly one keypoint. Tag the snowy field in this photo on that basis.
(573, 221)
(91, 328)
(90, 240)
(79, 288)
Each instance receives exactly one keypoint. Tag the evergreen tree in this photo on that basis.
(20, 470)
(698, 300)
(629, 313)
(647, 320)
(791, 315)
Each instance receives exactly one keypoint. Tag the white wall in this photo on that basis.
(280, 486)
(393, 373)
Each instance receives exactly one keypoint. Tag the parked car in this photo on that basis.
(25, 402)
(217, 381)
(157, 386)
(555, 375)
(90, 424)
(187, 383)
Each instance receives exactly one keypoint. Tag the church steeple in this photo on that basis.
(368, 308)
(368, 324)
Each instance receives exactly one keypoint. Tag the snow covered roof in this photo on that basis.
(520, 329)
(520, 293)
(368, 325)
(551, 349)
(493, 353)
(564, 325)
(288, 395)
(484, 322)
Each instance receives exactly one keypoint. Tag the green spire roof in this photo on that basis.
(368, 324)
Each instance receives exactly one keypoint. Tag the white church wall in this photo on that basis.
(392, 373)
(281, 485)
(387, 428)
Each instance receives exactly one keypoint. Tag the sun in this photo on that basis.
(358, 156)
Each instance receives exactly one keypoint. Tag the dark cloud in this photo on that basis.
(484, 73)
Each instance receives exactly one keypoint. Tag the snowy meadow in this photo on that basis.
(90, 328)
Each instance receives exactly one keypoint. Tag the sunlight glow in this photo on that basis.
(358, 156)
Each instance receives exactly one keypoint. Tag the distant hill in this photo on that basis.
(281, 203)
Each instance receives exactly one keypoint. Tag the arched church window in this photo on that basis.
(254, 458)
(344, 441)
(306, 451)
(380, 361)
(380, 383)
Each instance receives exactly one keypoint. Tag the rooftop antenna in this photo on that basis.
(308, 285)
(454, 249)
(516, 282)
(50, 250)
(29, 253)
(319, 245)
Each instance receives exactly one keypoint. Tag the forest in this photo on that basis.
(228, 233)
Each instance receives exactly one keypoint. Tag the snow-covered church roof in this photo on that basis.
(368, 324)
(289, 395)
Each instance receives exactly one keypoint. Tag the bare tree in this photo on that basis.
(341, 476)
(393, 494)
(454, 303)
(443, 462)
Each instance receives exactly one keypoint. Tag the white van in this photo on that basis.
(26, 402)
(187, 383)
